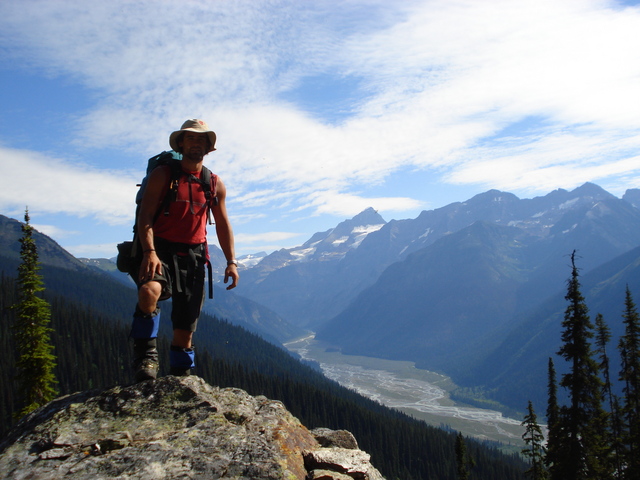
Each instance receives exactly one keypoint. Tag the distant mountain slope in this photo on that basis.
(516, 366)
(441, 299)
(301, 284)
(250, 315)
(632, 196)
(310, 283)
(110, 291)
(49, 251)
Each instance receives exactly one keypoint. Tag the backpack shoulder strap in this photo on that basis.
(175, 166)
(209, 183)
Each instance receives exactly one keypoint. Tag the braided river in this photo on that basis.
(418, 393)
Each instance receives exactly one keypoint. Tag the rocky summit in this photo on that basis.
(176, 428)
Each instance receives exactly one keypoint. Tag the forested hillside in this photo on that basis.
(93, 351)
(520, 360)
(94, 284)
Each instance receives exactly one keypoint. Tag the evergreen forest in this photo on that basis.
(594, 433)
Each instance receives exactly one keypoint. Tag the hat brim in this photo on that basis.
(173, 138)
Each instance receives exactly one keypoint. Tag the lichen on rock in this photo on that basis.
(174, 427)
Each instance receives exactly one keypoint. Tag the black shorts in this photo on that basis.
(182, 280)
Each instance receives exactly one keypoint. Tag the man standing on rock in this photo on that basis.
(174, 249)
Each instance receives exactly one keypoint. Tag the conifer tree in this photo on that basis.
(32, 334)
(583, 421)
(463, 462)
(603, 335)
(629, 347)
(553, 424)
(535, 449)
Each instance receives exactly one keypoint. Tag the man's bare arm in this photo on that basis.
(225, 235)
(156, 184)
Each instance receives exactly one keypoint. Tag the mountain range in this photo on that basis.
(474, 289)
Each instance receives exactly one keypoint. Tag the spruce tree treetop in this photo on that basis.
(535, 450)
(581, 427)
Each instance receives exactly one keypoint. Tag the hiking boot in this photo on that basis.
(145, 359)
(147, 369)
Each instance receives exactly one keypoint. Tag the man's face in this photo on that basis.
(195, 144)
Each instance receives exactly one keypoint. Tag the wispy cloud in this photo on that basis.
(265, 237)
(52, 230)
(50, 185)
(435, 86)
(102, 250)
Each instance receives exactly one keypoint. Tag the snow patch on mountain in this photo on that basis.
(367, 229)
(361, 232)
(340, 241)
(303, 254)
(426, 234)
(252, 259)
(568, 204)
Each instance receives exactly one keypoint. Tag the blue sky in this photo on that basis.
(322, 108)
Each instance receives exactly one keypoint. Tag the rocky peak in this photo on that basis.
(369, 216)
(491, 196)
(366, 218)
(632, 196)
(591, 191)
(176, 427)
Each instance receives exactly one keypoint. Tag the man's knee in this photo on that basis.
(148, 296)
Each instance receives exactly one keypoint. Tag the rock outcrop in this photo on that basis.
(176, 428)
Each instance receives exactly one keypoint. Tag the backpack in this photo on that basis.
(129, 253)
(173, 160)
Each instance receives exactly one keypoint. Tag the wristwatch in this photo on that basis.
(232, 262)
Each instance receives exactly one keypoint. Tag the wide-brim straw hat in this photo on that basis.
(194, 125)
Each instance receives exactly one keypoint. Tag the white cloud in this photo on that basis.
(436, 81)
(538, 164)
(348, 205)
(102, 250)
(266, 241)
(245, 238)
(51, 185)
(54, 231)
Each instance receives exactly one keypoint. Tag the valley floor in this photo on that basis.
(419, 393)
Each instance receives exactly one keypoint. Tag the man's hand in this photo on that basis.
(231, 271)
(150, 266)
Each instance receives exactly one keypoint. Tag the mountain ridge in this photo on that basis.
(310, 303)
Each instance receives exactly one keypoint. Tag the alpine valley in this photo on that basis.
(474, 290)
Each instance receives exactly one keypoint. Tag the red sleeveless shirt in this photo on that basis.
(181, 225)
